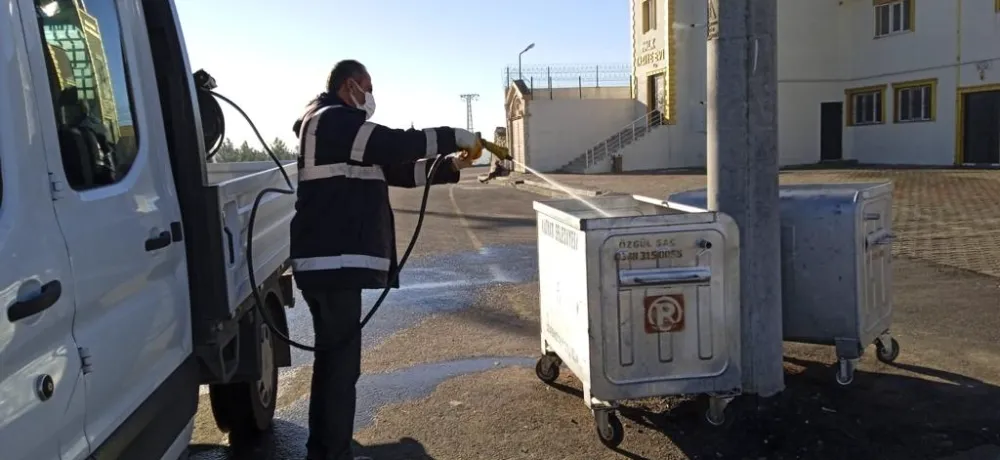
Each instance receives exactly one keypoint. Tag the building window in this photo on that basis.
(866, 106)
(92, 100)
(914, 101)
(648, 15)
(893, 17)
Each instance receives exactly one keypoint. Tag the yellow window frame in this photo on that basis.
(900, 86)
(913, 15)
(849, 102)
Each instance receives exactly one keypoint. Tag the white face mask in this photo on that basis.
(368, 106)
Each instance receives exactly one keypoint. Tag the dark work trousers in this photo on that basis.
(336, 314)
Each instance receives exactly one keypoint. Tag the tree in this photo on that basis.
(228, 152)
(246, 153)
(281, 150)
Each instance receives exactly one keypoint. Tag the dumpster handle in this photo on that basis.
(655, 276)
(879, 237)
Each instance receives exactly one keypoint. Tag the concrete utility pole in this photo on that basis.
(468, 109)
(743, 171)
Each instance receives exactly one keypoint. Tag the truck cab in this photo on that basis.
(123, 276)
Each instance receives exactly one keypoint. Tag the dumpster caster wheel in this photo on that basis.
(547, 368)
(845, 372)
(609, 428)
(716, 413)
(886, 352)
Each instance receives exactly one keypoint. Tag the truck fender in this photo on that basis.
(275, 309)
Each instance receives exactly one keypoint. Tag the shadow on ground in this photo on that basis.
(286, 441)
(883, 416)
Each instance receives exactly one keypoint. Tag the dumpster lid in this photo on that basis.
(696, 199)
(617, 211)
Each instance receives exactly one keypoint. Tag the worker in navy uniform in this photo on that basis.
(343, 235)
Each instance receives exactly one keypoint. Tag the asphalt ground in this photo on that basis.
(448, 366)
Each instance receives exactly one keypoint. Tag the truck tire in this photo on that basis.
(245, 409)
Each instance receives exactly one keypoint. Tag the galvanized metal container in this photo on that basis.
(836, 266)
(641, 302)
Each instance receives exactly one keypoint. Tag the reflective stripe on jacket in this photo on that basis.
(343, 231)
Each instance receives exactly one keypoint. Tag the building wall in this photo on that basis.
(811, 70)
(676, 49)
(945, 33)
(591, 92)
(826, 48)
(517, 144)
(518, 128)
(653, 151)
(927, 52)
(687, 143)
(650, 49)
(550, 146)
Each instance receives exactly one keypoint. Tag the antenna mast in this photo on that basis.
(468, 109)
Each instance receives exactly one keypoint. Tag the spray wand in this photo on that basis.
(498, 151)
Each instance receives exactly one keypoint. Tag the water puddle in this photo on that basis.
(378, 390)
(430, 285)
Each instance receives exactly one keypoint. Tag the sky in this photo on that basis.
(274, 56)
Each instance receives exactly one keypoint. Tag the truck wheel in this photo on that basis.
(246, 409)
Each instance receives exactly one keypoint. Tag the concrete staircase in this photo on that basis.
(601, 153)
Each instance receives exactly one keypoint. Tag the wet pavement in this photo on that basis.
(431, 285)
(287, 441)
(447, 367)
(440, 278)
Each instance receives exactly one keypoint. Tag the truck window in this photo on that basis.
(88, 81)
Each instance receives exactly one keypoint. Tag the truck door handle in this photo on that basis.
(159, 242)
(51, 292)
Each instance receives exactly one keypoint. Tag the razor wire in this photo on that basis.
(569, 75)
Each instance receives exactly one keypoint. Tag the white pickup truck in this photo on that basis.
(123, 277)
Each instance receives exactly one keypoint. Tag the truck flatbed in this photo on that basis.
(236, 185)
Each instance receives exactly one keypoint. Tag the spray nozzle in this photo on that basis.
(502, 153)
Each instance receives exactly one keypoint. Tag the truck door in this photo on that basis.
(116, 206)
(41, 386)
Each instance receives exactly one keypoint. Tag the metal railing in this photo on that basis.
(616, 142)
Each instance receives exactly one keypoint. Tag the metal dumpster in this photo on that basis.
(836, 270)
(638, 302)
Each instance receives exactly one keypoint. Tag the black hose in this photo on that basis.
(288, 181)
(213, 123)
(393, 276)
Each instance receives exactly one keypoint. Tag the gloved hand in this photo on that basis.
(460, 162)
(469, 143)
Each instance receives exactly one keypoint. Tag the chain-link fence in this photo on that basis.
(569, 76)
